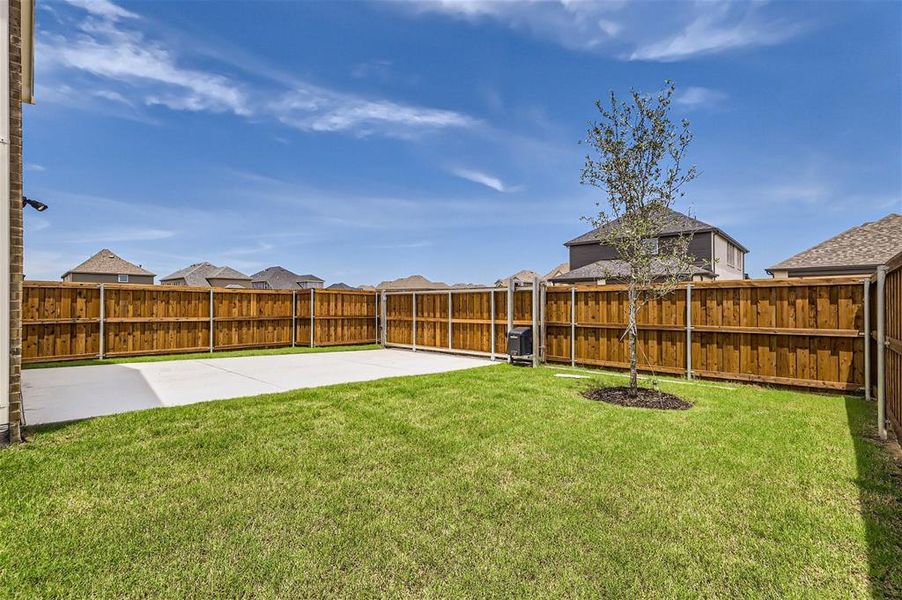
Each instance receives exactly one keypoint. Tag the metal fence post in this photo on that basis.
(384, 318)
(450, 325)
(210, 341)
(312, 315)
(102, 316)
(867, 339)
(414, 323)
(573, 327)
(294, 318)
(510, 313)
(543, 300)
(536, 337)
(376, 335)
(492, 334)
(688, 331)
(881, 351)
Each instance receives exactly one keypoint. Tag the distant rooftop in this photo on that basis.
(106, 262)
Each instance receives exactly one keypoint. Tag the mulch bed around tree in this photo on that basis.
(646, 399)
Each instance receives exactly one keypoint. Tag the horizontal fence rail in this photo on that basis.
(70, 321)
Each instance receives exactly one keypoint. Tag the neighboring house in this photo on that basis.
(207, 275)
(524, 277)
(856, 251)
(717, 255)
(107, 267)
(414, 282)
(342, 286)
(280, 278)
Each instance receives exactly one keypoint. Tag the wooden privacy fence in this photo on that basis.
(799, 332)
(885, 353)
(466, 320)
(68, 321)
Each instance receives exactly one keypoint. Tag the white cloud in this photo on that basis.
(653, 31)
(481, 178)
(118, 234)
(107, 50)
(34, 167)
(137, 71)
(710, 33)
(103, 8)
(312, 108)
(700, 97)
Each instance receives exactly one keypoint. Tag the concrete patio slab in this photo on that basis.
(69, 393)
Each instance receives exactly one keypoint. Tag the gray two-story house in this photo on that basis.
(717, 254)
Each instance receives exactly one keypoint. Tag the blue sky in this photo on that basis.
(366, 141)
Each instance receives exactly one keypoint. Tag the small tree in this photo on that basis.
(638, 164)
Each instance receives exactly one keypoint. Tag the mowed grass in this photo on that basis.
(499, 481)
(90, 362)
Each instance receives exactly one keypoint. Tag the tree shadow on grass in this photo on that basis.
(880, 495)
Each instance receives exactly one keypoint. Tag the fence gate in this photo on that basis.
(884, 352)
(460, 321)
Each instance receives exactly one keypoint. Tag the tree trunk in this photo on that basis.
(634, 367)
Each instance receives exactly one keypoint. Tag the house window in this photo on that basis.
(123, 279)
(734, 256)
(651, 244)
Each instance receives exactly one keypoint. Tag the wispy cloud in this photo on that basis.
(117, 234)
(116, 47)
(700, 97)
(34, 167)
(489, 181)
(313, 108)
(651, 31)
(717, 31)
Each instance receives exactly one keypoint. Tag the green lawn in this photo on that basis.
(221, 354)
(500, 481)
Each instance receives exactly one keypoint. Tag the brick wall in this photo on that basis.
(15, 217)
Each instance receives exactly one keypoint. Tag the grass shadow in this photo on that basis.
(879, 481)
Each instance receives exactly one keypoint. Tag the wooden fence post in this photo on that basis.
(510, 314)
(102, 315)
(312, 315)
(573, 326)
(376, 335)
(881, 351)
(688, 331)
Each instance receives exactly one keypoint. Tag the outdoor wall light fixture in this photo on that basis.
(35, 204)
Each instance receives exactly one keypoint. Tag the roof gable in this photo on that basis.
(106, 262)
(869, 244)
(199, 273)
(281, 278)
(675, 223)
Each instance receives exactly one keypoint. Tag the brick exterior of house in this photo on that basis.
(15, 218)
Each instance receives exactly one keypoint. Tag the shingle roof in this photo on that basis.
(413, 282)
(199, 273)
(524, 276)
(615, 269)
(866, 245)
(675, 223)
(280, 278)
(341, 286)
(106, 262)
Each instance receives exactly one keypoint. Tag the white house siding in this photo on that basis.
(721, 268)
